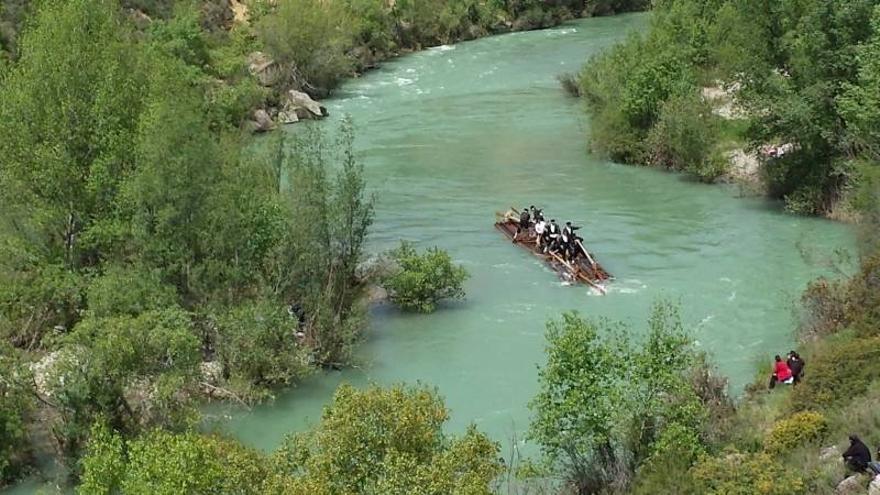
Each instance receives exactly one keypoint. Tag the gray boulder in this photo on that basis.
(874, 487)
(300, 106)
(266, 70)
(851, 486)
(262, 121)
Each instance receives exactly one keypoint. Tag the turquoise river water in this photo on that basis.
(453, 134)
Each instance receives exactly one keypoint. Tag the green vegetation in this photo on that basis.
(387, 441)
(607, 406)
(379, 440)
(803, 74)
(419, 281)
(795, 430)
(139, 240)
(333, 40)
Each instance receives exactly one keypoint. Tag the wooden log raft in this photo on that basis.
(584, 269)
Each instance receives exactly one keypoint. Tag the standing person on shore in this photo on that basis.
(796, 365)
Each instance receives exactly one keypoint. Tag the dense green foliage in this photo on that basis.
(804, 74)
(15, 406)
(334, 39)
(159, 462)
(419, 281)
(139, 240)
(606, 406)
(387, 441)
(378, 440)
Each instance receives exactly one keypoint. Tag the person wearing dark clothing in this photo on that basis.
(567, 239)
(552, 233)
(537, 213)
(796, 365)
(525, 221)
(857, 456)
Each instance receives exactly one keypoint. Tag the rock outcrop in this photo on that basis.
(264, 68)
(262, 121)
(300, 106)
(851, 486)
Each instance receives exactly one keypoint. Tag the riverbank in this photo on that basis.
(648, 98)
(360, 36)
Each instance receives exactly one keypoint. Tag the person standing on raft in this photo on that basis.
(525, 221)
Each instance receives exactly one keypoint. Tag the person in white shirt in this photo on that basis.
(540, 225)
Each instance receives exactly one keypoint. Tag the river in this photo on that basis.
(453, 134)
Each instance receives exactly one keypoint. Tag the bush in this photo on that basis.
(864, 304)
(312, 38)
(836, 366)
(162, 463)
(570, 84)
(422, 280)
(734, 473)
(129, 291)
(15, 406)
(800, 428)
(257, 343)
(824, 305)
(389, 441)
(684, 138)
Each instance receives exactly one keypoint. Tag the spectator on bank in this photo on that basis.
(781, 373)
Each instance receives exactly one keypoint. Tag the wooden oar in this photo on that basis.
(575, 273)
(589, 258)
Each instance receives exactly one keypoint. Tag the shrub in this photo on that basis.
(128, 291)
(735, 473)
(316, 51)
(800, 428)
(569, 83)
(256, 343)
(824, 306)
(387, 440)
(422, 280)
(684, 137)
(15, 406)
(864, 304)
(160, 462)
(837, 365)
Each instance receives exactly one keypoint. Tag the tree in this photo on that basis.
(68, 110)
(387, 441)
(860, 100)
(316, 261)
(420, 281)
(316, 52)
(257, 344)
(15, 407)
(578, 402)
(134, 372)
(160, 462)
(605, 406)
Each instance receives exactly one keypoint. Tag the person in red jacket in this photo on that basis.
(781, 372)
